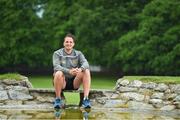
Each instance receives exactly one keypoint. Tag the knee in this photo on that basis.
(87, 72)
(58, 75)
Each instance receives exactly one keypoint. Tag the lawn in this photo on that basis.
(98, 82)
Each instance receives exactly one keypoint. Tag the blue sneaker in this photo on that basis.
(86, 103)
(57, 103)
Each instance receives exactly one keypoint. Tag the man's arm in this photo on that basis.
(83, 62)
(56, 64)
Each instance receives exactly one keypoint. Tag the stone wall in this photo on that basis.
(21, 95)
(16, 94)
(127, 95)
(143, 96)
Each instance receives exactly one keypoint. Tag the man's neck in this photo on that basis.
(68, 51)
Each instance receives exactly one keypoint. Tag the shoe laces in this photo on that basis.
(86, 101)
(58, 100)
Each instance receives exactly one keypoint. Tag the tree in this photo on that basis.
(20, 36)
(152, 47)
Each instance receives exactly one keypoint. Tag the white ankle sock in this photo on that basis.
(86, 97)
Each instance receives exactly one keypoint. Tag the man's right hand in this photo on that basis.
(75, 71)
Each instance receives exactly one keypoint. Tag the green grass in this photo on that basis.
(41, 81)
(98, 82)
(13, 76)
(156, 79)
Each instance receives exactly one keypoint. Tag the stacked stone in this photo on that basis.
(148, 95)
(127, 95)
(13, 92)
(16, 94)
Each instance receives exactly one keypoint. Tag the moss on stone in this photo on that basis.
(156, 79)
(11, 76)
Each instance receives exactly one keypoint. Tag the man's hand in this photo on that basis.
(75, 71)
(72, 71)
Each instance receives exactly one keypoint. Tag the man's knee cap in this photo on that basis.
(58, 74)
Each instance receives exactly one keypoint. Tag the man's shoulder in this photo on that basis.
(77, 52)
(59, 51)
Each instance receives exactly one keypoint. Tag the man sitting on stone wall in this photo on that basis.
(70, 70)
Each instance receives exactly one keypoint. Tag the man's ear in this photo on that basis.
(63, 44)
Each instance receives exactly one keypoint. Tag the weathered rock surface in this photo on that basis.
(134, 95)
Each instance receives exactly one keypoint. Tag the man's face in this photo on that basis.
(68, 43)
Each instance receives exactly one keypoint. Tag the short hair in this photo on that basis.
(71, 36)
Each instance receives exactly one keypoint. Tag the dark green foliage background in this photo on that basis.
(133, 36)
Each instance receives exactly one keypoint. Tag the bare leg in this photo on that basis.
(85, 79)
(86, 82)
(59, 83)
